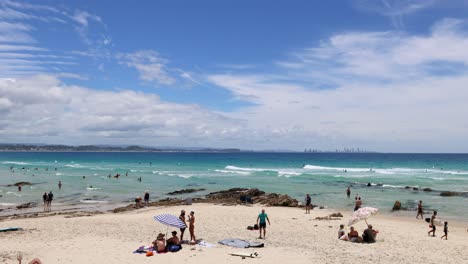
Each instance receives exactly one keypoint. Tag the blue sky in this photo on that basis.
(380, 75)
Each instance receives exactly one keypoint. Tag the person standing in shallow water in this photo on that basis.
(60, 185)
(348, 191)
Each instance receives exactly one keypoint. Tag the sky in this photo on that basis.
(381, 75)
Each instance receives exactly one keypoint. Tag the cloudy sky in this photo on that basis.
(389, 75)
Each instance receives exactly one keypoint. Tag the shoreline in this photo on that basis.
(223, 197)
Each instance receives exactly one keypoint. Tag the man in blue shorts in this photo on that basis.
(261, 222)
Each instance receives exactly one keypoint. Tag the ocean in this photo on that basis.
(325, 176)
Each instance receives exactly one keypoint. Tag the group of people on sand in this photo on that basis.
(173, 244)
(432, 221)
(139, 201)
(368, 235)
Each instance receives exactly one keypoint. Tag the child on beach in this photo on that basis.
(445, 231)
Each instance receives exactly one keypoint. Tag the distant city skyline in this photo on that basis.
(387, 76)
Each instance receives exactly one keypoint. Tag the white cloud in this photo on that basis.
(150, 66)
(379, 93)
(43, 109)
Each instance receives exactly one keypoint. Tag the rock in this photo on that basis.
(447, 193)
(415, 189)
(336, 215)
(397, 206)
(26, 205)
(185, 191)
(407, 187)
(19, 184)
(427, 189)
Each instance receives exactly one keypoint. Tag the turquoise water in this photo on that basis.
(320, 174)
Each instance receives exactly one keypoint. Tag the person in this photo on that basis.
(445, 230)
(182, 230)
(420, 210)
(369, 234)
(160, 243)
(50, 197)
(174, 240)
(191, 220)
(44, 199)
(342, 233)
(354, 235)
(348, 191)
(139, 179)
(308, 202)
(146, 198)
(19, 188)
(173, 243)
(60, 185)
(358, 203)
(138, 202)
(261, 222)
(432, 224)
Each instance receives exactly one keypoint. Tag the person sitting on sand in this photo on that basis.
(369, 235)
(173, 243)
(160, 244)
(342, 233)
(354, 235)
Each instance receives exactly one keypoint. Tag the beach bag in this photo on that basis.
(174, 248)
(250, 228)
(149, 253)
(255, 227)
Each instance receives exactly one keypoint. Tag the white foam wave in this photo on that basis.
(75, 165)
(93, 201)
(14, 193)
(235, 168)
(58, 174)
(288, 174)
(384, 171)
(16, 162)
(92, 188)
(234, 172)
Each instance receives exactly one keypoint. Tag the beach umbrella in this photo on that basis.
(170, 220)
(362, 214)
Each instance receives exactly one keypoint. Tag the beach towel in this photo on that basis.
(239, 243)
(205, 244)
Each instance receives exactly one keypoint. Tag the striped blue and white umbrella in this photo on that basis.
(170, 220)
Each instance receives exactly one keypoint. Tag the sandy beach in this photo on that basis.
(292, 237)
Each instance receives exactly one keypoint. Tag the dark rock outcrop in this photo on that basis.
(19, 184)
(336, 215)
(448, 193)
(427, 189)
(415, 189)
(184, 191)
(26, 205)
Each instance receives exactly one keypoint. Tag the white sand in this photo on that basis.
(293, 237)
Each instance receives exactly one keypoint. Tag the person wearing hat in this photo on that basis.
(182, 230)
(160, 243)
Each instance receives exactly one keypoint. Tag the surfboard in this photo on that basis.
(437, 221)
(10, 229)
(245, 254)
